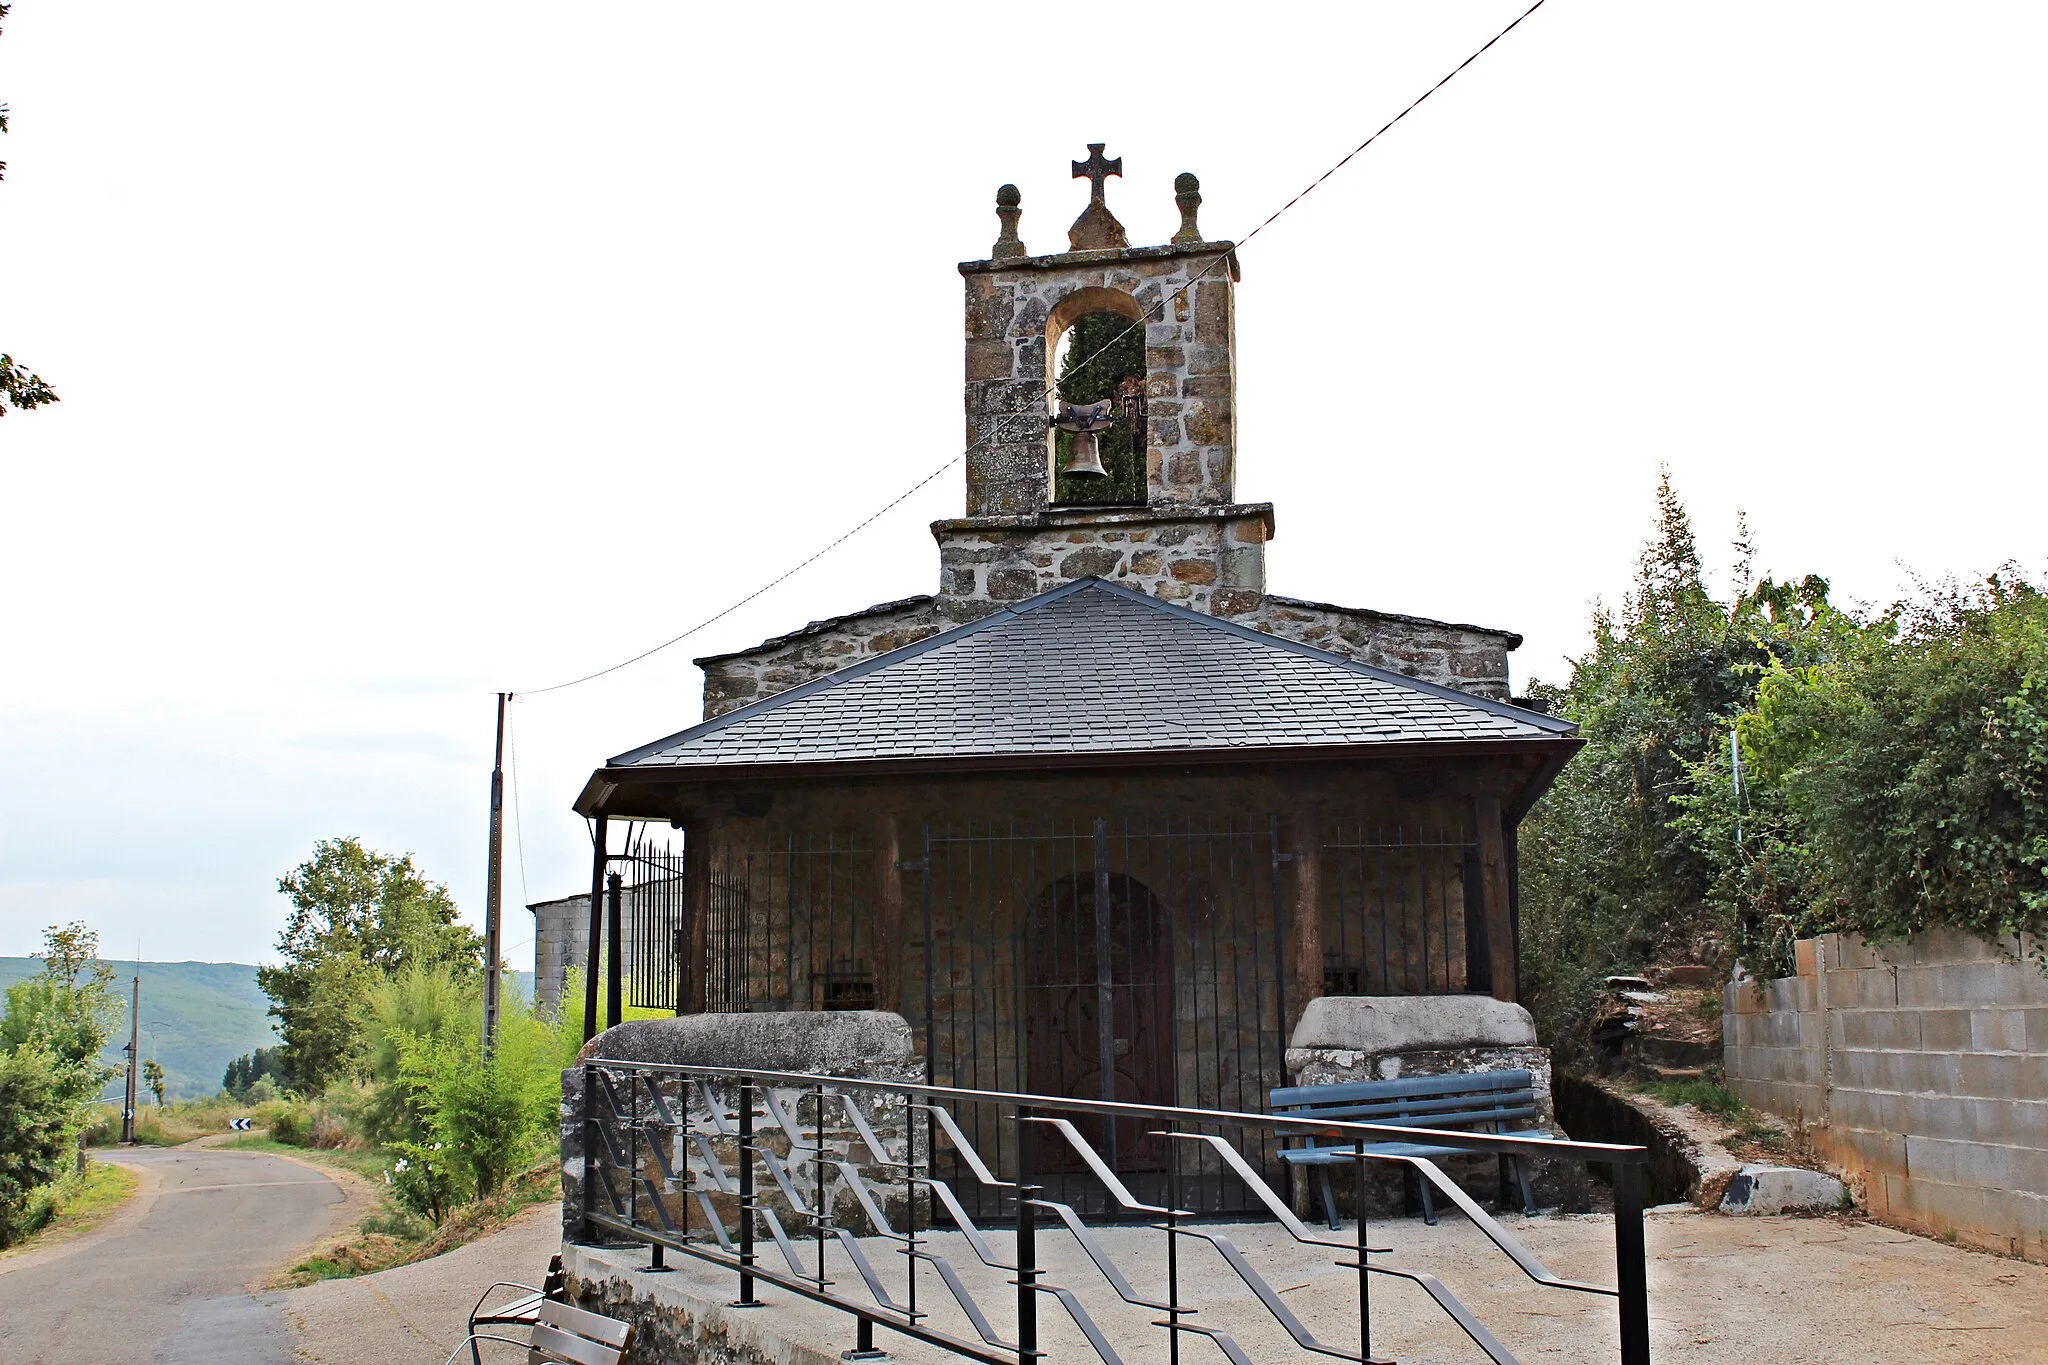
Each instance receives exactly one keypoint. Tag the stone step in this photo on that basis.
(1677, 1073)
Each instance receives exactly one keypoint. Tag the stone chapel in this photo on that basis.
(1101, 816)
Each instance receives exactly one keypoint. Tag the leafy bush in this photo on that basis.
(1895, 777)
(424, 1180)
(39, 1120)
(490, 1115)
(291, 1123)
(1898, 784)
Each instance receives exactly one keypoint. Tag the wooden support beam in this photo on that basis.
(1305, 837)
(1493, 873)
(590, 949)
(886, 934)
(696, 913)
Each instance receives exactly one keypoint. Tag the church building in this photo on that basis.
(1101, 814)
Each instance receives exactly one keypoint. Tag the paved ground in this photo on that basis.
(1723, 1291)
(417, 1313)
(168, 1279)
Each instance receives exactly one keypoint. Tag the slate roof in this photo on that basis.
(1083, 669)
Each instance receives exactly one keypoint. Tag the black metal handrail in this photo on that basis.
(663, 1128)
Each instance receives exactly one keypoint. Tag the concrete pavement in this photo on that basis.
(415, 1314)
(168, 1280)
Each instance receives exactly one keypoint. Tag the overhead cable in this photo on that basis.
(1051, 389)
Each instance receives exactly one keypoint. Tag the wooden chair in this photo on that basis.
(564, 1335)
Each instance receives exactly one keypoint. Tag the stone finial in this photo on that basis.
(1187, 192)
(1008, 245)
(1097, 228)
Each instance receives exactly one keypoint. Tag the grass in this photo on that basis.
(75, 1204)
(363, 1161)
(1709, 1097)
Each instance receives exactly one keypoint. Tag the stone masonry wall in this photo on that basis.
(1208, 560)
(1469, 658)
(1925, 1067)
(1017, 309)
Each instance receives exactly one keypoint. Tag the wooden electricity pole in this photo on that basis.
(134, 1060)
(494, 886)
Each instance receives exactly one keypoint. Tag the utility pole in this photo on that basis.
(494, 886)
(134, 1059)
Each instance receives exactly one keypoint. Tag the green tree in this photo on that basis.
(357, 916)
(69, 1009)
(1896, 782)
(1613, 873)
(251, 1067)
(153, 1080)
(18, 387)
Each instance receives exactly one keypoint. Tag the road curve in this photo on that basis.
(172, 1286)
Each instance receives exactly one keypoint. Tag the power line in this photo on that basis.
(1051, 389)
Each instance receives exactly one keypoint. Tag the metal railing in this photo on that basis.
(675, 1158)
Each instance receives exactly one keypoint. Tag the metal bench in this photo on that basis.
(563, 1335)
(522, 1311)
(1480, 1101)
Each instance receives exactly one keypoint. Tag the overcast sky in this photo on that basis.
(412, 351)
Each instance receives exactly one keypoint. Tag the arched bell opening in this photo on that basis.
(1095, 341)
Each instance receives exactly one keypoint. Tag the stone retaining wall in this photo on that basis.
(1924, 1068)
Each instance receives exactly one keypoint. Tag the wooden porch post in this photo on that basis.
(696, 913)
(887, 938)
(1493, 872)
(597, 866)
(1306, 831)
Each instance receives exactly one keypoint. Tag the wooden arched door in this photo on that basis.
(1101, 987)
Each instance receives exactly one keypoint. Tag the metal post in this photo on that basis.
(824, 1217)
(1172, 1249)
(589, 1138)
(931, 1046)
(1027, 1244)
(633, 1149)
(1631, 1271)
(494, 906)
(597, 866)
(1364, 1276)
(614, 953)
(746, 1298)
(1105, 987)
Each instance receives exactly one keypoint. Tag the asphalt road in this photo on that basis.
(170, 1284)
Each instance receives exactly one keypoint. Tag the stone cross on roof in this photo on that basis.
(1097, 228)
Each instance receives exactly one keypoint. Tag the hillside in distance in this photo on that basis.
(196, 1018)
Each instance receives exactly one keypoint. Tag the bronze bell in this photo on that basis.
(1085, 420)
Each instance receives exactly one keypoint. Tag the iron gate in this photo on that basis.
(1145, 959)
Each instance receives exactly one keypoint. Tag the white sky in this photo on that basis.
(411, 351)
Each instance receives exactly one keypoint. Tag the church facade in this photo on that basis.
(1101, 815)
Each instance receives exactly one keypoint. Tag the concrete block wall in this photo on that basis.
(1925, 1068)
